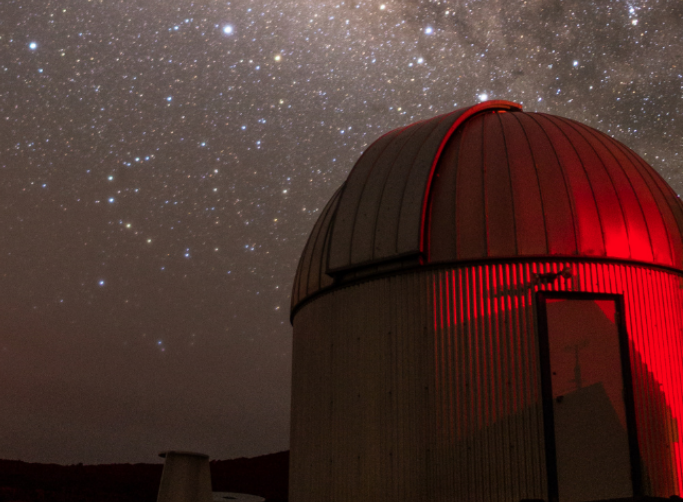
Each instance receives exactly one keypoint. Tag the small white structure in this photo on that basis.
(186, 478)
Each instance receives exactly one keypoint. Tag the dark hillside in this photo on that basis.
(26, 482)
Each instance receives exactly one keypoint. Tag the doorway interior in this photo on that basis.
(588, 410)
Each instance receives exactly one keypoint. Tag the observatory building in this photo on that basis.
(490, 309)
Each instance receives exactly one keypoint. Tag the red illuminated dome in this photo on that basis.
(491, 182)
(490, 308)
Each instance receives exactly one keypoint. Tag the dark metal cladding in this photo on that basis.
(345, 220)
(310, 274)
(491, 182)
(380, 213)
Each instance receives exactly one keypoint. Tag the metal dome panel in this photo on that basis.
(381, 209)
(310, 274)
(521, 184)
(491, 182)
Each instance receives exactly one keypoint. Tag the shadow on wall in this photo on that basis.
(461, 434)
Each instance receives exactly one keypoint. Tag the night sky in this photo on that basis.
(163, 161)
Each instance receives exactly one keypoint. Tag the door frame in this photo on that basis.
(546, 385)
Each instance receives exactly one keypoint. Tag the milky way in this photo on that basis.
(164, 160)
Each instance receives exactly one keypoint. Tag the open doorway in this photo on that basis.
(591, 443)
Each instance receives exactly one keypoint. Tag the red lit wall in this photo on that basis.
(487, 368)
(419, 385)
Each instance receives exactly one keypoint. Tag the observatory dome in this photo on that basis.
(490, 309)
(491, 182)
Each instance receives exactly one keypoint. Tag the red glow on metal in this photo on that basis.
(436, 306)
(481, 107)
(491, 333)
(488, 182)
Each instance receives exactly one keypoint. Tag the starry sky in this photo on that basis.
(163, 161)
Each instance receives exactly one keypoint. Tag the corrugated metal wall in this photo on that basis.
(360, 410)
(489, 402)
(426, 386)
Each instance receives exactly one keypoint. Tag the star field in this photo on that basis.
(163, 162)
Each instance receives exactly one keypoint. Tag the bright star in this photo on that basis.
(227, 29)
(429, 30)
(33, 46)
(483, 96)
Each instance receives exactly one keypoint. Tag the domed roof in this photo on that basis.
(491, 182)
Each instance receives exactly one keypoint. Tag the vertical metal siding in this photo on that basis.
(426, 386)
(441, 204)
(653, 302)
(529, 221)
(590, 233)
(488, 420)
(415, 186)
(659, 237)
(345, 217)
(636, 243)
(668, 203)
(388, 220)
(470, 213)
(557, 206)
(640, 240)
(500, 208)
(317, 278)
(393, 205)
(310, 274)
(365, 220)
